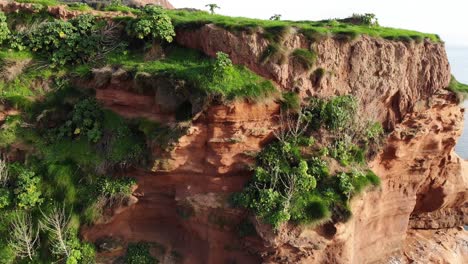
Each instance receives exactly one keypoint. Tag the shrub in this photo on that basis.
(115, 190)
(291, 101)
(306, 57)
(339, 112)
(4, 31)
(138, 253)
(153, 22)
(5, 198)
(65, 42)
(280, 178)
(86, 119)
(222, 67)
(28, 187)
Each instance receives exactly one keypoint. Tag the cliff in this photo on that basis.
(424, 183)
(181, 203)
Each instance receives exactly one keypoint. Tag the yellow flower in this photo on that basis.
(77, 131)
(62, 35)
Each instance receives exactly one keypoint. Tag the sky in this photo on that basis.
(447, 18)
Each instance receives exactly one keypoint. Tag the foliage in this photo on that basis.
(28, 187)
(212, 8)
(153, 22)
(41, 2)
(459, 88)
(79, 7)
(306, 57)
(281, 177)
(336, 114)
(138, 253)
(346, 152)
(65, 42)
(192, 67)
(275, 17)
(115, 189)
(291, 101)
(222, 67)
(367, 19)
(86, 119)
(5, 198)
(314, 29)
(4, 31)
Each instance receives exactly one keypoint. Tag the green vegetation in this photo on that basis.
(459, 88)
(152, 22)
(4, 30)
(138, 253)
(45, 3)
(83, 7)
(189, 19)
(200, 72)
(292, 180)
(306, 57)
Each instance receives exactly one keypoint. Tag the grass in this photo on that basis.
(314, 30)
(41, 2)
(457, 86)
(195, 68)
(460, 89)
(83, 7)
(306, 57)
(121, 8)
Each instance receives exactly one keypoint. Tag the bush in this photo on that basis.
(4, 31)
(291, 101)
(138, 253)
(153, 22)
(282, 175)
(28, 187)
(339, 112)
(306, 57)
(5, 198)
(65, 42)
(222, 67)
(115, 190)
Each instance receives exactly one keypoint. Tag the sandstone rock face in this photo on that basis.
(182, 203)
(388, 76)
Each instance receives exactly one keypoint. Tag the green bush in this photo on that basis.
(291, 101)
(115, 189)
(5, 198)
(306, 57)
(86, 119)
(4, 31)
(222, 67)
(138, 253)
(65, 42)
(280, 178)
(27, 188)
(153, 22)
(339, 112)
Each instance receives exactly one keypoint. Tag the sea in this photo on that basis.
(458, 58)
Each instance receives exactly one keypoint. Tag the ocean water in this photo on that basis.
(458, 57)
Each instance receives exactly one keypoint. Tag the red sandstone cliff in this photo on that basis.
(424, 183)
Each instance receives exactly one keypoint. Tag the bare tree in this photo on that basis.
(291, 125)
(3, 173)
(24, 237)
(57, 224)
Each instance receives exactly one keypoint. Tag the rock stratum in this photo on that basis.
(416, 215)
(181, 204)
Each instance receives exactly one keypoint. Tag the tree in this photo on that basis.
(57, 224)
(275, 17)
(212, 7)
(24, 236)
